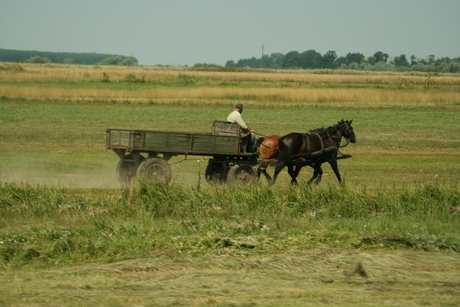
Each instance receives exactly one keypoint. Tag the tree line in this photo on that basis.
(380, 61)
(8, 55)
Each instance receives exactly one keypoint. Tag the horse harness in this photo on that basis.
(302, 158)
(319, 153)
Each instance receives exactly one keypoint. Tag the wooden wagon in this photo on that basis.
(145, 153)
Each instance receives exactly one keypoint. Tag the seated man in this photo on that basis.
(248, 137)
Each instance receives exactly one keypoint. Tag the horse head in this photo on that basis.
(347, 130)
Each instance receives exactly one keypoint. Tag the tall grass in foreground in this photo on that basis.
(42, 226)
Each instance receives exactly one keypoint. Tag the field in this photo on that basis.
(71, 235)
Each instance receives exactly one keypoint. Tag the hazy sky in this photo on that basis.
(186, 32)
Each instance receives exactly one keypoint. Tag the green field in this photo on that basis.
(71, 235)
(63, 144)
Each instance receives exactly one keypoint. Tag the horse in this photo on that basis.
(313, 149)
(268, 150)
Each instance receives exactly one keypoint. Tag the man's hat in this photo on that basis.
(239, 106)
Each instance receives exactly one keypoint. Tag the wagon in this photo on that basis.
(145, 153)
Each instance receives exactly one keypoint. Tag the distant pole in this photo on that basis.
(262, 58)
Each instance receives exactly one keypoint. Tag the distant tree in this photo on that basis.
(252, 62)
(68, 61)
(8, 55)
(291, 60)
(328, 59)
(206, 65)
(353, 66)
(310, 60)
(354, 58)
(401, 60)
(380, 66)
(38, 59)
(276, 60)
(379, 56)
(340, 61)
(119, 60)
(265, 61)
(230, 63)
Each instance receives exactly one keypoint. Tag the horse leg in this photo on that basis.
(293, 174)
(263, 170)
(278, 168)
(335, 168)
(297, 170)
(320, 174)
(317, 174)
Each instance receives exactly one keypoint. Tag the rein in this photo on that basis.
(266, 145)
(348, 141)
(260, 142)
(318, 135)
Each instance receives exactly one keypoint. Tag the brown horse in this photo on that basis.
(268, 149)
(313, 149)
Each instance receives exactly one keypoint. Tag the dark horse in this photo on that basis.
(313, 149)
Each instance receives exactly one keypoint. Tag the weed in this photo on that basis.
(105, 78)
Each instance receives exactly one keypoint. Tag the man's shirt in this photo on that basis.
(235, 117)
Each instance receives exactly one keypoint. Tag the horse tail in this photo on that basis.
(259, 141)
(284, 151)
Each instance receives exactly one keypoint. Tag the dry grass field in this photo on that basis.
(187, 86)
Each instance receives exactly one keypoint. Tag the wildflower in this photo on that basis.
(265, 228)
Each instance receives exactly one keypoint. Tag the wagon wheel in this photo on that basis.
(241, 174)
(126, 169)
(214, 173)
(155, 169)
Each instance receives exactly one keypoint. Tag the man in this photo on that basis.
(248, 138)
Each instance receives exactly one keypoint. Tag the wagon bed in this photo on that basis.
(146, 152)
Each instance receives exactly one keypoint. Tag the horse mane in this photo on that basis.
(342, 121)
(330, 129)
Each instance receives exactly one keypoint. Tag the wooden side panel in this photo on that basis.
(225, 128)
(175, 142)
(119, 138)
(179, 141)
(156, 139)
(215, 144)
(227, 144)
